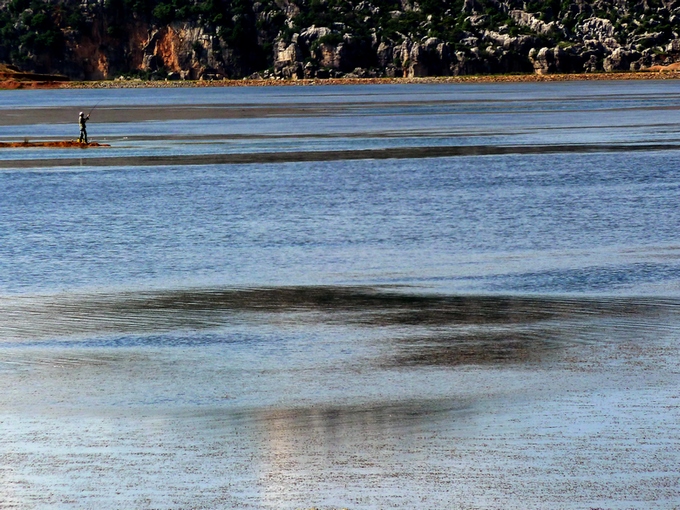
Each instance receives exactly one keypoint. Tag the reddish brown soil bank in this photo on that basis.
(67, 144)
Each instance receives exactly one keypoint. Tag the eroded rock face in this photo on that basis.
(543, 60)
(519, 44)
(620, 60)
(384, 54)
(558, 59)
(311, 34)
(596, 28)
(530, 21)
(581, 42)
(188, 51)
(286, 55)
(358, 38)
(330, 56)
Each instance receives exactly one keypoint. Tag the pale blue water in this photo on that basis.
(349, 333)
(572, 223)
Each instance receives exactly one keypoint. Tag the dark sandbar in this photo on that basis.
(307, 156)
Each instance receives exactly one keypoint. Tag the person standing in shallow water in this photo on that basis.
(82, 120)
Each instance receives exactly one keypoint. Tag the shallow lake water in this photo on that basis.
(413, 296)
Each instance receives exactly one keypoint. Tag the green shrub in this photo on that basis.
(334, 38)
(164, 13)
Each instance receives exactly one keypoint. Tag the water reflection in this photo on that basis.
(475, 348)
(327, 419)
(421, 390)
(423, 329)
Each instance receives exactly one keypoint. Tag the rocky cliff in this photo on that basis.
(213, 39)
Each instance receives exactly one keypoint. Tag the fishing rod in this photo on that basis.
(88, 113)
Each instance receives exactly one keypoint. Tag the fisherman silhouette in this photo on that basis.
(82, 119)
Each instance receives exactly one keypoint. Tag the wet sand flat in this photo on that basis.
(339, 124)
(177, 112)
(171, 112)
(489, 402)
(309, 156)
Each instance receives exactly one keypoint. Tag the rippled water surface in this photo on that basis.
(459, 296)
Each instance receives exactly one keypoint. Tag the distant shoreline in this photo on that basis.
(508, 78)
(505, 78)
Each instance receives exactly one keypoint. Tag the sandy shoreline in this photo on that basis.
(519, 78)
(64, 144)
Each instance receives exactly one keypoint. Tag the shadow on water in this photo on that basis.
(478, 348)
(329, 417)
(417, 152)
(427, 330)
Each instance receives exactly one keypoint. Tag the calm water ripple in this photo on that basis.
(342, 297)
(556, 223)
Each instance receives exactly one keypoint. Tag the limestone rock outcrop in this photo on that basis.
(192, 39)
